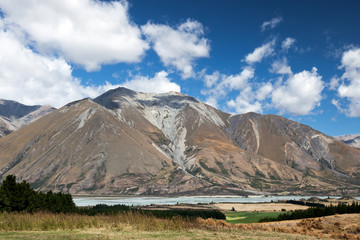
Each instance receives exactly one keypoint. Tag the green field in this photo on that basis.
(248, 217)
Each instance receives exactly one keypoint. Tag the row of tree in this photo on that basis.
(185, 213)
(316, 212)
(20, 196)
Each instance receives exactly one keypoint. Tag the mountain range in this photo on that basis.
(132, 143)
(352, 140)
(14, 115)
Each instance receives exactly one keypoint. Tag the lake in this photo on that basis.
(143, 201)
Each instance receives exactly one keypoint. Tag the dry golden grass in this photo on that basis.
(265, 207)
(132, 225)
(345, 226)
(123, 221)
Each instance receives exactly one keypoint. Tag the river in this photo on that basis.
(143, 201)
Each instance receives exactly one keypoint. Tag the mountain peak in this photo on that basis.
(14, 115)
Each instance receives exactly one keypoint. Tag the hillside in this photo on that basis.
(127, 142)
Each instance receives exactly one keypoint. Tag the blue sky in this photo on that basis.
(298, 59)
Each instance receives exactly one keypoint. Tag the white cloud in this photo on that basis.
(337, 104)
(178, 47)
(238, 81)
(300, 94)
(210, 80)
(261, 52)
(212, 101)
(350, 88)
(226, 84)
(32, 79)
(334, 83)
(264, 91)
(270, 24)
(160, 83)
(87, 32)
(287, 43)
(245, 102)
(281, 67)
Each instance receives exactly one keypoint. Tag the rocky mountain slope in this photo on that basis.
(127, 142)
(14, 115)
(352, 140)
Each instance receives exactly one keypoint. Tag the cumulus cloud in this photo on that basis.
(88, 32)
(245, 102)
(225, 84)
(300, 94)
(270, 24)
(160, 83)
(350, 87)
(178, 47)
(264, 91)
(261, 52)
(287, 43)
(212, 101)
(238, 81)
(334, 83)
(281, 67)
(211, 79)
(32, 79)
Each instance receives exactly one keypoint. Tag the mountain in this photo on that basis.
(14, 115)
(352, 140)
(127, 142)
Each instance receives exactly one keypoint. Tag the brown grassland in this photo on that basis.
(132, 225)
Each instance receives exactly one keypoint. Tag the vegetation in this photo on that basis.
(248, 217)
(116, 209)
(21, 197)
(316, 212)
(310, 204)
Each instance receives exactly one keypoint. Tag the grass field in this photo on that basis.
(134, 225)
(248, 217)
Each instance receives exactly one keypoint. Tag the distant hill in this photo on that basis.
(352, 140)
(14, 115)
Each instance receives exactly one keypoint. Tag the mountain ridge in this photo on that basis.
(14, 115)
(351, 139)
(126, 142)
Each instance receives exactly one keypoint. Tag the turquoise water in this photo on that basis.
(143, 201)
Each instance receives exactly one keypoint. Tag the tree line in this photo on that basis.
(316, 212)
(20, 197)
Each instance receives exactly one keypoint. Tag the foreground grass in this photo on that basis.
(119, 222)
(134, 225)
(248, 217)
(183, 235)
